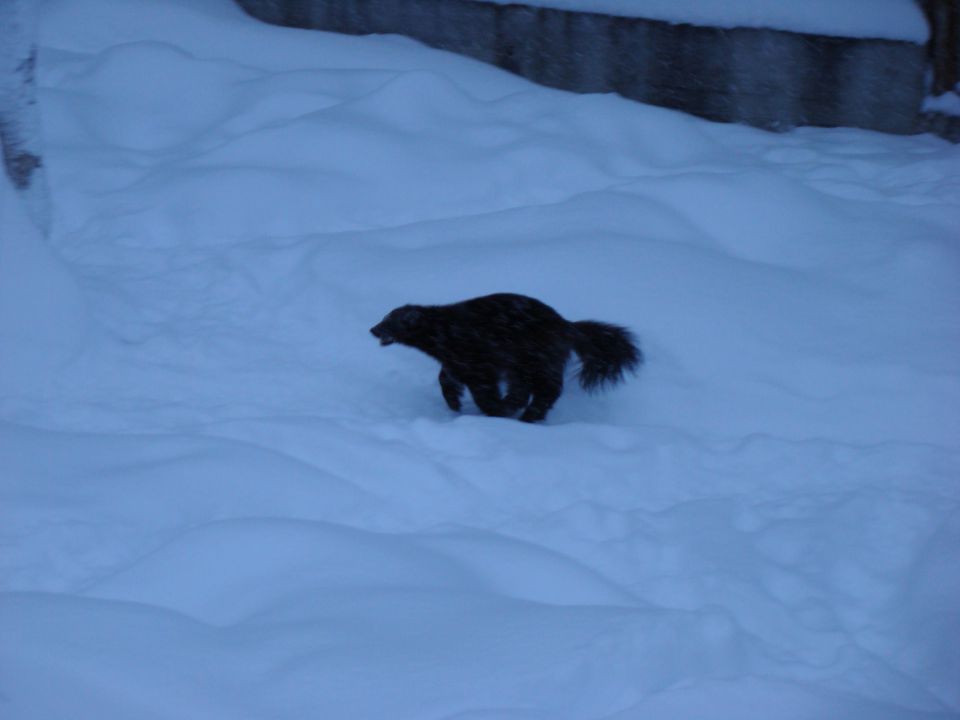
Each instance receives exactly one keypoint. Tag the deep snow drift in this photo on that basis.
(222, 499)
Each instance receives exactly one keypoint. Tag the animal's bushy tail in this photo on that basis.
(606, 352)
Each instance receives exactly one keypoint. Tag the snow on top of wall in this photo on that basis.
(948, 103)
(888, 19)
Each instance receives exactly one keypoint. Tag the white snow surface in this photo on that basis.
(948, 103)
(222, 499)
(884, 19)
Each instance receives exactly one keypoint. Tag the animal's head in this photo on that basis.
(400, 325)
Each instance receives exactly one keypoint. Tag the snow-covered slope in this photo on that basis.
(222, 499)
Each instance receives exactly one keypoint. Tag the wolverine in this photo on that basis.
(510, 351)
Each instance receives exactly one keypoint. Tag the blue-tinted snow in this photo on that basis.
(221, 498)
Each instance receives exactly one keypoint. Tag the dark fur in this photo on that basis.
(511, 339)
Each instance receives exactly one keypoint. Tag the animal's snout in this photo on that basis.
(382, 335)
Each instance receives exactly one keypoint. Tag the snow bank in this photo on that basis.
(232, 503)
(948, 103)
(42, 311)
(248, 574)
(887, 19)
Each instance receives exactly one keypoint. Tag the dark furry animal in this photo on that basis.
(512, 340)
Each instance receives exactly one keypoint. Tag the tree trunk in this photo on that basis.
(20, 133)
(944, 19)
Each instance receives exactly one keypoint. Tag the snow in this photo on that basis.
(33, 278)
(886, 19)
(948, 103)
(221, 498)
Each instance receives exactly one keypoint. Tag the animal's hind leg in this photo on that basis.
(486, 394)
(452, 389)
(518, 395)
(545, 394)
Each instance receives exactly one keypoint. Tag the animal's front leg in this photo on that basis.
(451, 388)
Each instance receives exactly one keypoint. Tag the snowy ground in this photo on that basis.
(222, 499)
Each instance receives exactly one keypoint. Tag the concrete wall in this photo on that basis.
(767, 78)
